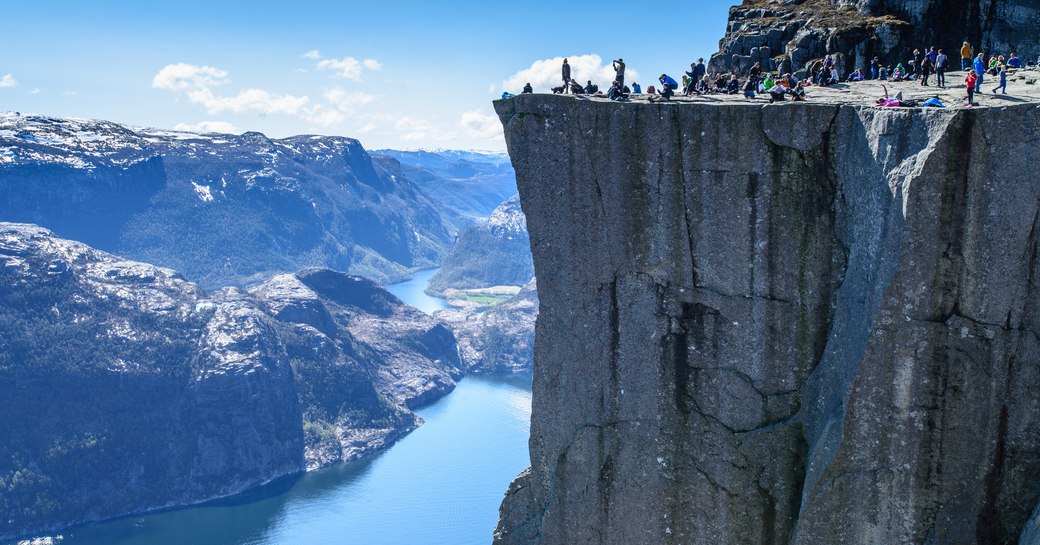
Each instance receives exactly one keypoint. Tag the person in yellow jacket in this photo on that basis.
(965, 56)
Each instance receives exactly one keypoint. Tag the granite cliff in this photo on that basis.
(779, 324)
(127, 388)
(799, 31)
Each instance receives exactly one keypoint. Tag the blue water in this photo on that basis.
(411, 292)
(439, 485)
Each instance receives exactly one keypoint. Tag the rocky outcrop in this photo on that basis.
(128, 388)
(496, 340)
(787, 35)
(820, 329)
(495, 253)
(222, 209)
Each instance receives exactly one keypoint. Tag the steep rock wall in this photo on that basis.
(799, 323)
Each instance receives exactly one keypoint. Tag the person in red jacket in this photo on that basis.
(970, 82)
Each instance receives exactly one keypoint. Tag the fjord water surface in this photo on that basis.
(441, 484)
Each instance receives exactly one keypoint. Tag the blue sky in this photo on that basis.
(400, 74)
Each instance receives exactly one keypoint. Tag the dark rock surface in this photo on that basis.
(127, 388)
(496, 252)
(222, 209)
(803, 31)
(823, 329)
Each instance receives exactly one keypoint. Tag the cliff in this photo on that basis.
(801, 31)
(128, 388)
(794, 323)
(222, 209)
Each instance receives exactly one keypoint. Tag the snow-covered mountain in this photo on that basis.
(223, 209)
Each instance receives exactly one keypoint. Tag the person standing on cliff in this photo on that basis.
(926, 70)
(969, 84)
(940, 68)
(699, 71)
(979, 69)
(1003, 79)
(565, 71)
(619, 71)
(875, 67)
(965, 56)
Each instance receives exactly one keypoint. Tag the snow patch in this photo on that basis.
(203, 192)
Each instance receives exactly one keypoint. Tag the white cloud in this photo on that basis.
(196, 82)
(182, 76)
(480, 125)
(8, 81)
(209, 126)
(349, 67)
(36, 91)
(545, 74)
(312, 54)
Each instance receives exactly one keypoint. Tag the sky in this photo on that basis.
(401, 75)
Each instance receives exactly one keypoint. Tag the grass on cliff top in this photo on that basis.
(820, 12)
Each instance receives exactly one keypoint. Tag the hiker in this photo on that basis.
(699, 71)
(913, 66)
(703, 86)
(926, 70)
(875, 67)
(616, 92)
(689, 83)
(1003, 79)
(733, 87)
(720, 84)
(619, 70)
(754, 72)
(749, 88)
(979, 68)
(885, 72)
(971, 82)
(940, 68)
(899, 74)
(798, 93)
(932, 54)
(668, 87)
(1014, 61)
(576, 88)
(767, 84)
(965, 56)
(591, 89)
(565, 71)
(636, 88)
(856, 76)
(527, 89)
(776, 93)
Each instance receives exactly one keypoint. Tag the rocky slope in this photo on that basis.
(801, 31)
(220, 208)
(496, 252)
(128, 388)
(496, 340)
(468, 182)
(823, 329)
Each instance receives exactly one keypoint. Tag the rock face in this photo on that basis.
(494, 253)
(127, 388)
(820, 329)
(220, 208)
(769, 31)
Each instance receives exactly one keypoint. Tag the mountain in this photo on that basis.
(496, 339)
(470, 183)
(128, 388)
(222, 209)
(496, 252)
(830, 336)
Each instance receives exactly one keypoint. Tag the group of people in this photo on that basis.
(823, 72)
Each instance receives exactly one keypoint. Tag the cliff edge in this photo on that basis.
(795, 323)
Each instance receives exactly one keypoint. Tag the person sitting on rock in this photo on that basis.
(856, 76)
(798, 93)
(527, 89)
(733, 87)
(720, 84)
(616, 92)
(636, 88)
(576, 88)
(767, 84)
(749, 88)
(1014, 61)
(704, 85)
(591, 89)
(668, 87)
(899, 74)
(885, 71)
(776, 93)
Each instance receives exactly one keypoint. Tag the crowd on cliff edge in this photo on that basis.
(791, 84)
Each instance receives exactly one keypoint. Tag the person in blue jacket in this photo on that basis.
(636, 88)
(668, 86)
(980, 69)
(1003, 79)
(1014, 61)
